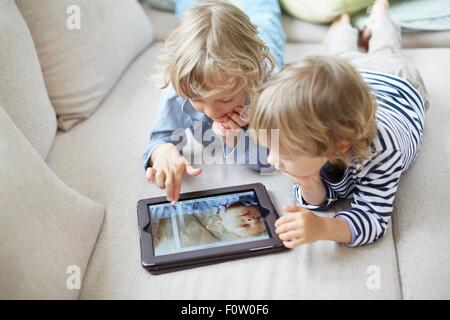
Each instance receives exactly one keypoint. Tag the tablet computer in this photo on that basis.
(206, 227)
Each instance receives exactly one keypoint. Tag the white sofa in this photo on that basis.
(101, 159)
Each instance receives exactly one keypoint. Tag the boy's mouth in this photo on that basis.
(224, 116)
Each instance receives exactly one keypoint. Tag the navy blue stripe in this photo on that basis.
(398, 79)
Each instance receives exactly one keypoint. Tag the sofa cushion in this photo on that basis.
(101, 156)
(47, 230)
(322, 11)
(422, 219)
(22, 90)
(164, 22)
(82, 58)
(426, 39)
(165, 5)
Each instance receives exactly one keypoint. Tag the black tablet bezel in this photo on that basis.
(190, 258)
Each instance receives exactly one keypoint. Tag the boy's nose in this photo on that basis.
(212, 111)
(274, 163)
(278, 165)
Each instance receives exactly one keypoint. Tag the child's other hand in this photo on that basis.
(299, 226)
(312, 187)
(229, 126)
(309, 181)
(168, 169)
(225, 132)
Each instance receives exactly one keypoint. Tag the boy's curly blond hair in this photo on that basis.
(214, 48)
(316, 104)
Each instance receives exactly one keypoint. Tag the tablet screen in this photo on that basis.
(208, 222)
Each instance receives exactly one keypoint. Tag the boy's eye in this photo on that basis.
(226, 100)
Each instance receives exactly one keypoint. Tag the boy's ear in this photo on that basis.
(344, 146)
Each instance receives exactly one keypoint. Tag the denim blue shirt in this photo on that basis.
(176, 114)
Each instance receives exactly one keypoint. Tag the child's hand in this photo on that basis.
(229, 128)
(229, 136)
(168, 169)
(309, 181)
(299, 226)
(313, 189)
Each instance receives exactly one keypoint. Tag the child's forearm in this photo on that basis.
(336, 229)
(313, 191)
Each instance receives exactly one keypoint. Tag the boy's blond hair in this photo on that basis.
(316, 104)
(214, 48)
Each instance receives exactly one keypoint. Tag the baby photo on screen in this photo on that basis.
(205, 223)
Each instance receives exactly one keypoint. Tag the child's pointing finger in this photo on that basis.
(190, 170)
(150, 174)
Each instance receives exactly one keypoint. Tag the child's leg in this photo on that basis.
(341, 37)
(385, 50)
(266, 16)
(384, 33)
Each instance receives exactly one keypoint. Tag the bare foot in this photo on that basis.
(380, 7)
(343, 18)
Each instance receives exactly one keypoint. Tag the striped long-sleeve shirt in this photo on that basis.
(400, 121)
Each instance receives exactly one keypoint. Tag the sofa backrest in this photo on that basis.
(84, 46)
(22, 90)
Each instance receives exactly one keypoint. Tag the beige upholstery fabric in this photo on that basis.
(422, 217)
(45, 227)
(432, 39)
(101, 156)
(22, 90)
(80, 66)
